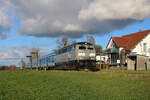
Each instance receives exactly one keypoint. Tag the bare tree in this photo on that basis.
(98, 48)
(64, 41)
(59, 45)
(73, 41)
(91, 40)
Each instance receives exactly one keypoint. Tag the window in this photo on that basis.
(114, 58)
(69, 48)
(144, 47)
(89, 48)
(64, 50)
(59, 51)
(82, 47)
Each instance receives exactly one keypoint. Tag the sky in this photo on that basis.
(26, 24)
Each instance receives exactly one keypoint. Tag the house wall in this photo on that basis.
(102, 58)
(148, 64)
(110, 44)
(142, 62)
(131, 64)
(139, 48)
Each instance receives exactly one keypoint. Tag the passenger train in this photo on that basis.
(77, 56)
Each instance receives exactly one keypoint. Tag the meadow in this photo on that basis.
(74, 85)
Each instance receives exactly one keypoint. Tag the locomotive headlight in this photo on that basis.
(81, 54)
(92, 54)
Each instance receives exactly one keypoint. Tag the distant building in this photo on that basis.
(132, 50)
(103, 57)
(34, 53)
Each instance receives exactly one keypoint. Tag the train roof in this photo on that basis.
(82, 43)
(54, 53)
(47, 54)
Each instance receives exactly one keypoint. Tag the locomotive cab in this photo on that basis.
(85, 51)
(85, 54)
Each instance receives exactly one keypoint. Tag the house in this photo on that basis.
(103, 57)
(132, 50)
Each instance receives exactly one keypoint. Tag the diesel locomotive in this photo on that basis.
(79, 55)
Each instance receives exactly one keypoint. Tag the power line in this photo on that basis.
(11, 58)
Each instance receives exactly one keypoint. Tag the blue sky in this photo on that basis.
(39, 23)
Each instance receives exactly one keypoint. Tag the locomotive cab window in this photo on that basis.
(90, 48)
(82, 47)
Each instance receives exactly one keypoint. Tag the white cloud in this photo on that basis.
(4, 24)
(74, 18)
(118, 10)
(14, 52)
(13, 55)
(71, 27)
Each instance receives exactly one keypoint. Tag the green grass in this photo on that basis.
(73, 85)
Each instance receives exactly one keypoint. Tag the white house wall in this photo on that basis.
(139, 48)
(120, 48)
(102, 58)
(110, 44)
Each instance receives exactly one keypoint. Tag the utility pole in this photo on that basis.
(30, 58)
(37, 58)
(34, 55)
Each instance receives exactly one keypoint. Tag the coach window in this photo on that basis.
(59, 51)
(69, 49)
(82, 47)
(64, 50)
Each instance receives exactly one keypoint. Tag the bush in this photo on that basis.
(4, 67)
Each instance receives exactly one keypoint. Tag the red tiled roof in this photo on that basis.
(131, 40)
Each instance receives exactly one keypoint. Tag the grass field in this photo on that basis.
(73, 85)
